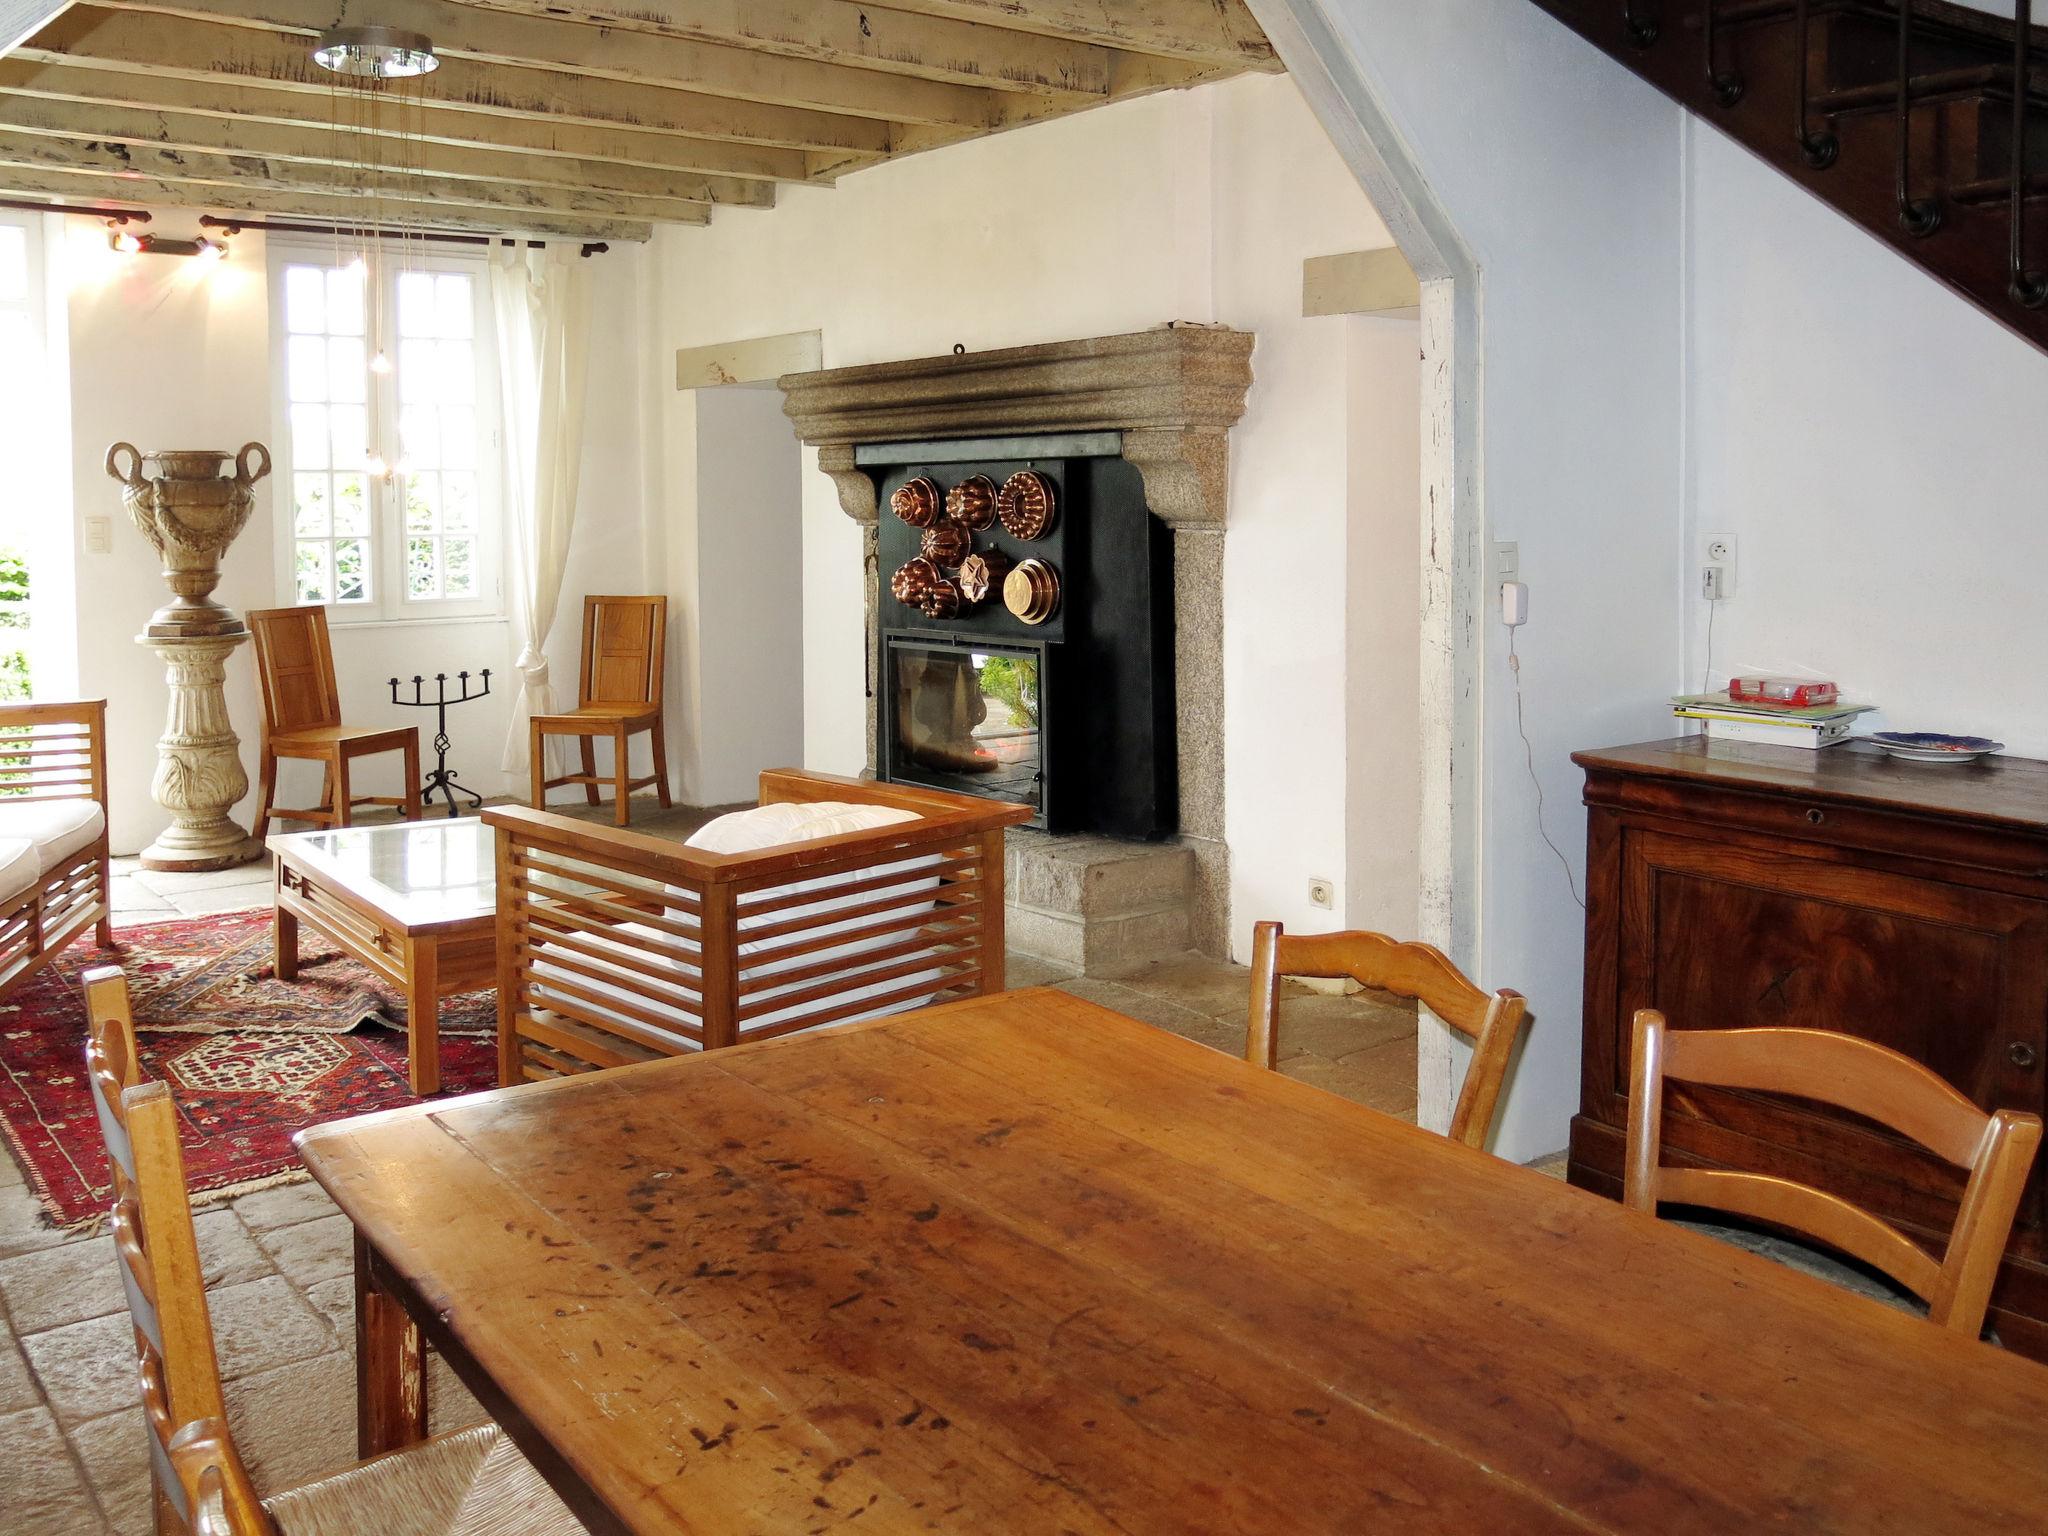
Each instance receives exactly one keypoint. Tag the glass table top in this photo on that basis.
(420, 871)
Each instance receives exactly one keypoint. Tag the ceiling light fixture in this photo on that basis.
(381, 53)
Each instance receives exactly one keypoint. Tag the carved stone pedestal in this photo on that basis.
(199, 773)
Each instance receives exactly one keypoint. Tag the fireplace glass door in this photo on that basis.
(968, 719)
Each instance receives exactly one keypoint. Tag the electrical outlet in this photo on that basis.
(1717, 566)
(1321, 893)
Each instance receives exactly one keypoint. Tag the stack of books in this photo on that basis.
(1821, 725)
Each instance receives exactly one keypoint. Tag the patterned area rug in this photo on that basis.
(250, 1059)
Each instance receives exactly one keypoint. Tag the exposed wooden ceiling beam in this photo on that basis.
(844, 32)
(715, 69)
(21, 18)
(136, 43)
(349, 212)
(103, 124)
(399, 193)
(1202, 31)
(436, 125)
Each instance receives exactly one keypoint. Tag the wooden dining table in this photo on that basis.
(1022, 1264)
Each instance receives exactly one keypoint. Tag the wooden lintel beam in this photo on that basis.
(846, 32)
(97, 89)
(229, 201)
(1213, 32)
(137, 43)
(1376, 282)
(184, 131)
(41, 152)
(713, 69)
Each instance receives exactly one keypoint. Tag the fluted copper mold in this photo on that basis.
(1025, 504)
(972, 503)
(1032, 591)
(912, 580)
(942, 601)
(982, 574)
(946, 544)
(917, 502)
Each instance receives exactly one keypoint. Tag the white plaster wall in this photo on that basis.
(1556, 167)
(1875, 444)
(167, 353)
(1197, 205)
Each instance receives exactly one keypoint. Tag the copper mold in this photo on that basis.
(912, 580)
(1025, 504)
(942, 601)
(946, 544)
(1032, 591)
(972, 503)
(917, 502)
(981, 575)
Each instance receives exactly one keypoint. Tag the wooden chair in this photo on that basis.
(56, 871)
(466, 1483)
(302, 720)
(1869, 1080)
(1411, 970)
(618, 694)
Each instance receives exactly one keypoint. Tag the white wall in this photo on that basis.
(1555, 167)
(170, 353)
(1197, 205)
(1875, 444)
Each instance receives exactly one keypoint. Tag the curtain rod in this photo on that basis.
(283, 226)
(89, 210)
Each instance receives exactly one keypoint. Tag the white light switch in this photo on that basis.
(99, 535)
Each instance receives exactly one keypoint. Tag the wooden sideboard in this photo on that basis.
(1733, 885)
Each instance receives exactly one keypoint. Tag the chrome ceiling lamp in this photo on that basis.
(378, 53)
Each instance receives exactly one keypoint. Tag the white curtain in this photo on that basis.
(541, 296)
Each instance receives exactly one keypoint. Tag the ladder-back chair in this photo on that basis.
(1864, 1078)
(618, 695)
(302, 721)
(1412, 970)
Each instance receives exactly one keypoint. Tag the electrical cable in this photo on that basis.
(1529, 757)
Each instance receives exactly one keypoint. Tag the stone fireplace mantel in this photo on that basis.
(1173, 394)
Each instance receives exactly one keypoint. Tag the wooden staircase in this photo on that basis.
(1905, 116)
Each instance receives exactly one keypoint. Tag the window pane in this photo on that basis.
(421, 573)
(458, 501)
(306, 368)
(416, 368)
(458, 372)
(309, 506)
(305, 308)
(458, 437)
(310, 572)
(349, 425)
(345, 378)
(415, 303)
(458, 567)
(455, 304)
(345, 302)
(422, 502)
(419, 434)
(309, 437)
(351, 571)
(351, 504)
(13, 263)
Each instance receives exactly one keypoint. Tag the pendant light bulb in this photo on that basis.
(380, 363)
(376, 466)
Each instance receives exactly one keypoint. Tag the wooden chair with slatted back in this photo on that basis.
(1492, 1022)
(467, 1483)
(618, 695)
(302, 721)
(1866, 1079)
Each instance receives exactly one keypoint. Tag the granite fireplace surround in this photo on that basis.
(1173, 394)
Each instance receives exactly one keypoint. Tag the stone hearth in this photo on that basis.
(1172, 394)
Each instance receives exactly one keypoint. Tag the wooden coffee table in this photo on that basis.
(417, 902)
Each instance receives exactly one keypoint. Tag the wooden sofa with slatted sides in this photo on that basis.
(55, 867)
(834, 899)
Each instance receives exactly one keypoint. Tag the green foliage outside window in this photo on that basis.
(1013, 680)
(14, 678)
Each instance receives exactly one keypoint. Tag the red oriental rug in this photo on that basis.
(250, 1060)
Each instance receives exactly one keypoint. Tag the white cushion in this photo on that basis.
(19, 867)
(58, 828)
(790, 821)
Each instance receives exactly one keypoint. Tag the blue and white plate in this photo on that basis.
(1935, 747)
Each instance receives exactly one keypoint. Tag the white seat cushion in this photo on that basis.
(20, 868)
(790, 821)
(58, 828)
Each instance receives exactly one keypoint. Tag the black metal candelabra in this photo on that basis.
(442, 781)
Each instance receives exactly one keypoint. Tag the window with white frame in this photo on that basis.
(387, 413)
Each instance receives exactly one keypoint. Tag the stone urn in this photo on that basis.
(190, 511)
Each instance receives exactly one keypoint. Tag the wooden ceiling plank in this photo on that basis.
(713, 69)
(100, 123)
(1216, 32)
(95, 88)
(255, 203)
(139, 43)
(845, 32)
(125, 160)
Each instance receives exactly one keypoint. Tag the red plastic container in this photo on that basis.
(1783, 692)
